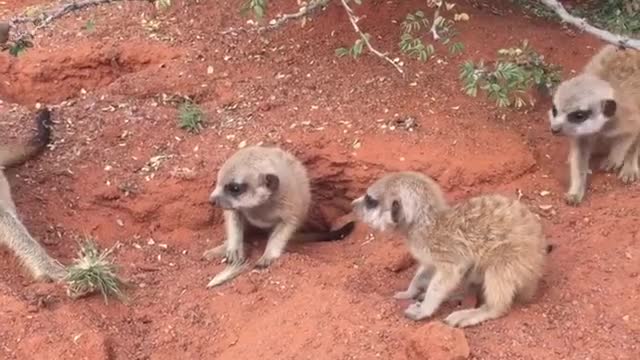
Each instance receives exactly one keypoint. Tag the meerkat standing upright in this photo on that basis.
(601, 107)
(268, 188)
(13, 234)
(489, 243)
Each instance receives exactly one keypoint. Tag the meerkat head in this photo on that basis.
(241, 186)
(398, 201)
(582, 106)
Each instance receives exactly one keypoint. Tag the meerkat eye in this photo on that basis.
(554, 111)
(579, 116)
(370, 202)
(235, 189)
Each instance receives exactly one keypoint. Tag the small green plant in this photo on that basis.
(162, 4)
(442, 30)
(414, 47)
(19, 46)
(93, 271)
(90, 25)
(191, 117)
(514, 73)
(259, 7)
(456, 48)
(414, 22)
(355, 50)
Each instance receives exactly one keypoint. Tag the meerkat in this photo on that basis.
(13, 233)
(267, 188)
(490, 244)
(600, 109)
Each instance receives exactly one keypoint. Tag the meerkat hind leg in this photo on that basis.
(276, 243)
(498, 297)
(442, 285)
(618, 153)
(418, 285)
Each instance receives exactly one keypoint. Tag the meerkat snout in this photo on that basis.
(218, 198)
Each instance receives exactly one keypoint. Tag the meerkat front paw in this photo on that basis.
(405, 295)
(52, 272)
(629, 174)
(416, 312)
(265, 261)
(573, 199)
(235, 256)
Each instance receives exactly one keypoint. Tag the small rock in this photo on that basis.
(437, 341)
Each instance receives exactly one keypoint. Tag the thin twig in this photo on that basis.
(46, 17)
(354, 22)
(436, 20)
(583, 25)
(305, 9)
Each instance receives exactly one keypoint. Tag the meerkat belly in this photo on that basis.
(262, 221)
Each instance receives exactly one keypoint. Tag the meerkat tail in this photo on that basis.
(12, 155)
(332, 235)
(230, 272)
(16, 237)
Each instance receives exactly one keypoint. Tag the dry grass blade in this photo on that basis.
(93, 271)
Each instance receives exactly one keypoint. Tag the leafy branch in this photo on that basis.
(583, 25)
(514, 73)
(353, 19)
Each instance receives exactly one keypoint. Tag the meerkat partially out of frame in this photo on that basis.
(13, 234)
(490, 243)
(267, 188)
(601, 107)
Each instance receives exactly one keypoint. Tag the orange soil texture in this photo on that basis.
(343, 118)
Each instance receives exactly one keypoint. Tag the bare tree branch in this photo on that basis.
(46, 17)
(354, 22)
(584, 26)
(57, 12)
(436, 21)
(305, 9)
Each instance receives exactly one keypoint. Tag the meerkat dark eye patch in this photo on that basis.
(578, 117)
(370, 202)
(609, 108)
(395, 211)
(271, 181)
(235, 189)
(554, 111)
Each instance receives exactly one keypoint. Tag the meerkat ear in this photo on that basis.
(609, 107)
(270, 181)
(396, 211)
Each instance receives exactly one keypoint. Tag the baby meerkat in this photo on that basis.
(489, 243)
(267, 188)
(600, 108)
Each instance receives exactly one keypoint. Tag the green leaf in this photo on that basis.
(340, 52)
(258, 10)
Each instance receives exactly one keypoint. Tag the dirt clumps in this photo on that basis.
(437, 341)
(86, 66)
